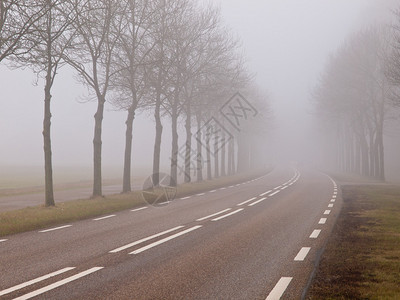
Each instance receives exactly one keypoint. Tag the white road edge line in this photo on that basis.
(302, 254)
(145, 239)
(103, 218)
(165, 239)
(137, 209)
(3, 241)
(58, 283)
(33, 281)
(217, 213)
(267, 192)
(258, 201)
(227, 215)
(315, 233)
(279, 288)
(56, 228)
(244, 202)
(322, 221)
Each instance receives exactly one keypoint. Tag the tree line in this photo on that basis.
(174, 58)
(357, 95)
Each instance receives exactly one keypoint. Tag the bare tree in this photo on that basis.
(47, 40)
(17, 18)
(98, 26)
(130, 85)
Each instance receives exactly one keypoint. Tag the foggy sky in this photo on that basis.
(286, 42)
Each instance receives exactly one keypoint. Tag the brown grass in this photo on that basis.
(362, 257)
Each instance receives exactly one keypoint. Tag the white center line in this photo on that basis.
(137, 209)
(267, 192)
(278, 187)
(334, 193)
(302, 254)
(106, 217)
(57, 228)
(274, 193)
(58, 283)
(334, 196)
(258, 201)
(315, 233)
(330, 205)
(322, 221)
(283, 188)
(33, 281)
(145, 239)
(327, 212)
(227, 215)
(165, 240)
(279, 288)
(244, 202)
(217, 213)
(333, 200)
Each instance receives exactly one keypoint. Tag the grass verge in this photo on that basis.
(33, 218)
(362, 256)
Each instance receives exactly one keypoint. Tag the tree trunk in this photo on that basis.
(216, 156)
(126, 182)
(48, 166)
(199, 150)
(208, 137)
(157, 141)
(223, 158)
(97, 145)
(188, 150)
(174, 148)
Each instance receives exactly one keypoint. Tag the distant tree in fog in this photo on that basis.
(352, 97)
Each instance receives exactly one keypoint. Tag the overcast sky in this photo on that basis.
(286, 42)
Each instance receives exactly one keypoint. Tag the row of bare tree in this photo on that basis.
(357, 94)
(173, 57)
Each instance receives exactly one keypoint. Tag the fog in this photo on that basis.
(286, 43)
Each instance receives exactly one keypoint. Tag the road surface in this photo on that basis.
(255, 240)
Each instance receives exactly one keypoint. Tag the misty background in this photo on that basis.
(286, 43)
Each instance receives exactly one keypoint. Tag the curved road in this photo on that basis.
(255, 240)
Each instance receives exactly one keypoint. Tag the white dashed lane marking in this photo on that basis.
(103, 218)
(322, 221)
(56, 228)
(279, 288)
(244, 202)
(33, 281)
(213, 215)
(302, 254)
(227, 215)
(327, 212)
(315, 234)
(140, 250)
(137, 209)
(258, 201)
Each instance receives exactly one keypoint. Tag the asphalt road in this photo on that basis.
(256, 240)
